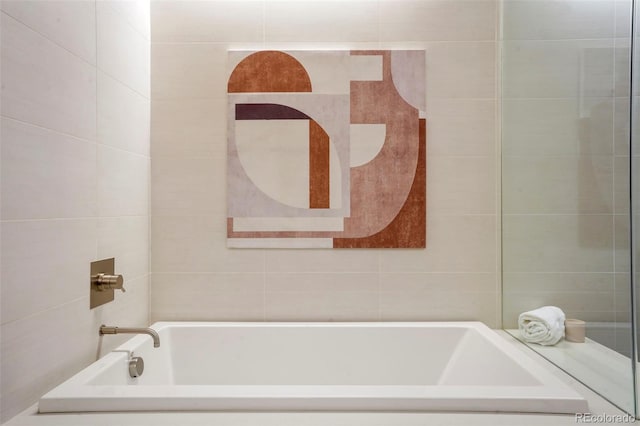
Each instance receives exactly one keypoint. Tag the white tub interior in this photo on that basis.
(317, 366)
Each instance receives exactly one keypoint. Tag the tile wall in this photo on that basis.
(75, 166)
(565, 159)
(194, 275)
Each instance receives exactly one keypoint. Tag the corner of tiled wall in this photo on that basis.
(75, 183)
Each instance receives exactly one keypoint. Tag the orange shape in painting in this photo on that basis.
(269, 71)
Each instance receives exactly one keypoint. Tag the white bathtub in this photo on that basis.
(452, 366)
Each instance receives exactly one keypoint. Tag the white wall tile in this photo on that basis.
(461, 69)
(189, 127)
(321, 306)
(353, 21)
(461, 127)
(208, 297)
(568, 184)
(70, 24)
(198, 244)
(520, 282)
(123, 52)
(351, 260)
(557, 243)
(127, 239)
(188, 71)
(455, 282)
(189, 186)
(44, 84)
(557, 20)
(461, 185)
(438, 20)
(439, 306)
(123, 183)
(46, 174)
(321, 282)
(53, 167)
(45, 263)
(558, 68)
(198, 21)
(548, 127)
(136, 12)
(69, 345)
(123, 116)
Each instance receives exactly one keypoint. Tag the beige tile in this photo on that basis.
(123, 183)
(208, 297)
(438, 20)
(123, 116)
(545, 127)
(621, 190)
(622, 244)
(438, 282)
(123, 53)
(548, 185)
(621, 126)
(321, 306)
(353, 21)
(44, 84)
(439, 306)
(461, 70)
(24, 345)
(188, 71)
(201, 21)
(189, 127)
(623, 20)
(461, 185)
(557, 243)
(136, 12)
(465, 243)
(622, 78)
(321, 282)
(70, 24)
(188, 186)
(125, 238)
(46, 174)
(198, 244)
(556, 20)
(520, 282)
(44, 255)
(461, 127)
(320, 260)
(558, 69)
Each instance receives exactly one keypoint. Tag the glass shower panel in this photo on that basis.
(565, 180)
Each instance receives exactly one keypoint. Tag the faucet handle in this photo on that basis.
(107, 281)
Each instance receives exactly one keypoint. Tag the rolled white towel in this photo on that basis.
(544, 326)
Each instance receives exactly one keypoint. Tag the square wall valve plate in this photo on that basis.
(100, 297)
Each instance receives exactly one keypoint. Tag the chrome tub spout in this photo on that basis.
(122, 330)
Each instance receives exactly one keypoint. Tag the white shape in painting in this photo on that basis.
(366, 141)
(275, 156)
(280, 242)
(366, 67)
(278, 224)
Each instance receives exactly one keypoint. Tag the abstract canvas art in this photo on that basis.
(326, 149)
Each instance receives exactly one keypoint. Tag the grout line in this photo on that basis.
(53, 41)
